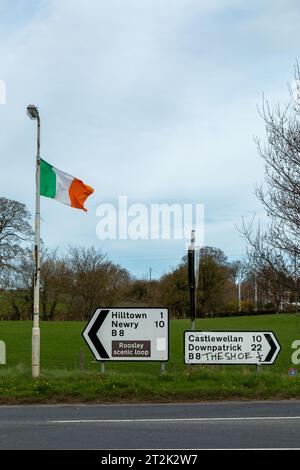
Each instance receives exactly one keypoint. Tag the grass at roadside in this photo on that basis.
(197, 384)
(62, 381)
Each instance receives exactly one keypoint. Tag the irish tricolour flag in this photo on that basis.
(63, 187)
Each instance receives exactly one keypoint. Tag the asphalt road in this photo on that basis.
(226, 425)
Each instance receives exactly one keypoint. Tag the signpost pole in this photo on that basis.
(192, 280)
(81, 359)
(102, 367)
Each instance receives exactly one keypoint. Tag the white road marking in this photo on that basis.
(170, 420)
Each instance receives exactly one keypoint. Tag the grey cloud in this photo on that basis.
(153, 99)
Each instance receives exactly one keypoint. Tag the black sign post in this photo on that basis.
(192, 279)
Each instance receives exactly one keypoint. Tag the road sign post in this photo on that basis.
(230, 347)
(193, 272)
(129, 334)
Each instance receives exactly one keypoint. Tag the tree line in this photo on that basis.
(77, 280)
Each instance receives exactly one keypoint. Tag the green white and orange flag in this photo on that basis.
(63, 187)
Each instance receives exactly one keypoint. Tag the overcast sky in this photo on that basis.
(152, 99)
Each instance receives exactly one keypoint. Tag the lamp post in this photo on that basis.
(240, 295)
(33, 113)
(255, 292)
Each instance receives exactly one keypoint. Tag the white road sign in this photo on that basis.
(129, 334)
(230, 347)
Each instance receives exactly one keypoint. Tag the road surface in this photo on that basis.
(226, 425)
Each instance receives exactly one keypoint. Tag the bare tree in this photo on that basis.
(274, 251)
(17, 284)
(214, 271)
(95, 280)
(56, 283)
(14, 230)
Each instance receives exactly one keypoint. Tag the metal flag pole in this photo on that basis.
(192, 280)
(33, 113)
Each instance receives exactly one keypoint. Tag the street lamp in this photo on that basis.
(33, 113)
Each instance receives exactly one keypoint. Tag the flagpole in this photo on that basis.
(33, 113)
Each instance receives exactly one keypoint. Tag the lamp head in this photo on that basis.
(32, 111)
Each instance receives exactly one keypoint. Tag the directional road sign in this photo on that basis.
(129, 334)
(230, 347)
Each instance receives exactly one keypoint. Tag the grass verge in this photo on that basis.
(195, 384)
(61, 380)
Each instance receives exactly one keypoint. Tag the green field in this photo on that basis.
(62, 380)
